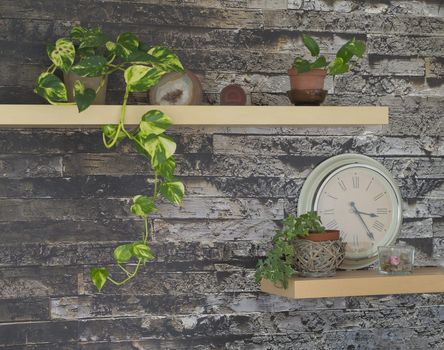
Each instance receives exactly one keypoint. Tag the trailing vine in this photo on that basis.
(277, 266)
(89, 53)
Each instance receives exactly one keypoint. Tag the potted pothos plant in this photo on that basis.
(307, 77)
(142, 67)
(303, 245)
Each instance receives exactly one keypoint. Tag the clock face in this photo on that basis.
(356, 195)
(362, 204)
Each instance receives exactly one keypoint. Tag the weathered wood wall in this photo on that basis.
(63, 196)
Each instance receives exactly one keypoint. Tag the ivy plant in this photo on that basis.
(277, 266)
(341, 63)
(89, 53)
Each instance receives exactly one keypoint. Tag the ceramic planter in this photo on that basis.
(307, 88)
(312, 80)
(93, 83)
(328, 235)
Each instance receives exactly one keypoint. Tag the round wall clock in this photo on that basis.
(356, 195)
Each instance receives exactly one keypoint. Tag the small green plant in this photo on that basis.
(89, 53)
(277, 265)
(340, 65)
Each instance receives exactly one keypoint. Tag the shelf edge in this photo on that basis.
(96, 116)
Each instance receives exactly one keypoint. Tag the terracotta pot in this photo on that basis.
(312, 80)
(328, 235)
(92, 83)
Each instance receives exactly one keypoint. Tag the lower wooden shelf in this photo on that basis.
(360, 283)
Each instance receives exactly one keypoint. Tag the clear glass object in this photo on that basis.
(396, 260)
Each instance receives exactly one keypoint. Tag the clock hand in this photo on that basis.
(355, 210)
(372, 215)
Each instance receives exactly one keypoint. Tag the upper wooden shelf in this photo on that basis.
(95, 116)
(359, 283)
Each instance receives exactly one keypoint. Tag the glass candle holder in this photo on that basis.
(396, 260)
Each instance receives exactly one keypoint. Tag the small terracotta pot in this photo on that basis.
(92, 83)
(312, 80)
(328, 235)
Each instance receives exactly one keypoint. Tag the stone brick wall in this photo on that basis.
(63, 197)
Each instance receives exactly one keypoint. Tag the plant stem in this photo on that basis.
(62, 103)
(145, 239)
(102, 81)
(112, 59)
(130, 276)
(122, 121)
(124, 270)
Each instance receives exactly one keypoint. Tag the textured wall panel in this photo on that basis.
(63, 196)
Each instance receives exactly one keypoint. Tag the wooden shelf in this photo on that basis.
(95, 116)
(359, 283)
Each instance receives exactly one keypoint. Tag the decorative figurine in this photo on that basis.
(177, 89)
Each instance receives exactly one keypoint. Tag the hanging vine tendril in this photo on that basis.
(89, 53)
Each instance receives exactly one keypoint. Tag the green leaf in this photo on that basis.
(166, 169)
(86, 51)
(88, 37)
(301, 65)
(154, 122)
(123, 253)
(168, 60)
(160, 148)
(142, 56)
(91, 66)
(62, 54)
(344, 53)
(83, 97)
(126, 44)
(140, 78)
(98, 276)
(142, 206)
(51, 88)
(142, 251)
(310, 44)
(338, 66)
(173, 191)
(320, 62)
(110, 130)
(140, 148)
(110, 46)
(357, 47)
(350, 48)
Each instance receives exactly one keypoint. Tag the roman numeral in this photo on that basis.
(368, 186)
(328, 194)
(378, 196)
(381, 211)
(342, 185)
(378, 225)
(328, 211)
(332, 224)
(355, 180)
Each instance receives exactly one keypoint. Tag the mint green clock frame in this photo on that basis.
(321, 173)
